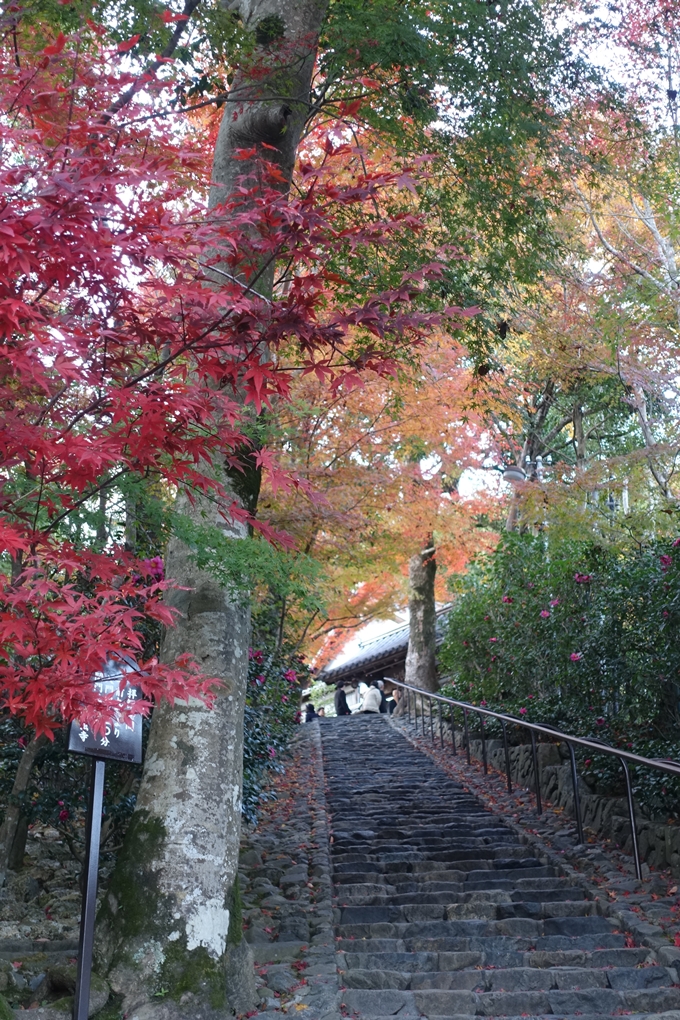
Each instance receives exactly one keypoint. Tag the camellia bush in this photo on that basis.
(275, 680)
(578, 636)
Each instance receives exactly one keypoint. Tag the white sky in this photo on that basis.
(374, 629)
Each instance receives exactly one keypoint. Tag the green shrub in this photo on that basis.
(580, 637)
(275, 681)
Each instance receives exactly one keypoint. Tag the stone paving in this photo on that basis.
(286, 888)
(443, 910)
(649, 909)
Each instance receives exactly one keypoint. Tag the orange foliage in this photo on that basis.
(385, 460)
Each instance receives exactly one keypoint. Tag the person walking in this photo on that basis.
(340, 701)
(372, 698)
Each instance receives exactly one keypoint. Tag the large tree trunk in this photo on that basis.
(270, 109)
(421, 665)
(165, 921)
(164, 927)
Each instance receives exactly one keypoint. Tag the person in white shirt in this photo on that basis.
(372, 699)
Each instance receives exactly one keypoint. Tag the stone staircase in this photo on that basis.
(441, 911)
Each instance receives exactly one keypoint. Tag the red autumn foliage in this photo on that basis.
(121, 355)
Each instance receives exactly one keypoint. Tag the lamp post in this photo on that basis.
(119, 742)
(531, 472)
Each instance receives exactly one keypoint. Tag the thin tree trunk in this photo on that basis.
(579, 437)
(165, 925)
(12, 838)
(102, 531)
(532, 446)
(639, 402)
(513, 513)
(421, 664)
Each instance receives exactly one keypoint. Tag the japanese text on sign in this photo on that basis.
(119, 740)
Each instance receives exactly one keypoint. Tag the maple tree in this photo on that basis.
(138, 334)
(367, 452)
(120, 358)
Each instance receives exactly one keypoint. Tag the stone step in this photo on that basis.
(441, 911)
(482, 851)
(366, 829)
(549, 943)
(474, 908)
(498, 868)
(368, 892)
(488, 877)
(606, 1001)
(501, 979)
(403, 840)
(522, 927)
(362, 957)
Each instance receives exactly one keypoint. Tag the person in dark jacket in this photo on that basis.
(383, 699)
(340, 700)
(310, 712)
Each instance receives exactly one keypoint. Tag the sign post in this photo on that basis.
(119, 742)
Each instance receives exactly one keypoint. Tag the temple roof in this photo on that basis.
(379, 653)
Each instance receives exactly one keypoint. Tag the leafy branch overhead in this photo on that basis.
(126, 359)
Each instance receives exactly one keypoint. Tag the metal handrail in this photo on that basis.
(592, 743)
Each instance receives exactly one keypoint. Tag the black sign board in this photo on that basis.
(119, 741)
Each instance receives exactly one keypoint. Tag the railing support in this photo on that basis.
(453, 733)
(467, 734)
(422, 714)
(507, 755)
(441, 728)
(429, 705)
(633, 827)
(484, 761)
(408, 705)
(577, 799)
(537, 778)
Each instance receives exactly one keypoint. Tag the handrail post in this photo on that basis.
(429, 705)
(631, 815)
(453, 732)
(408, 705)
(441, 729)
(484, 761)
(577, 799)
(507, 755)
(422, 714)
(467, 734)
(537, 778)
